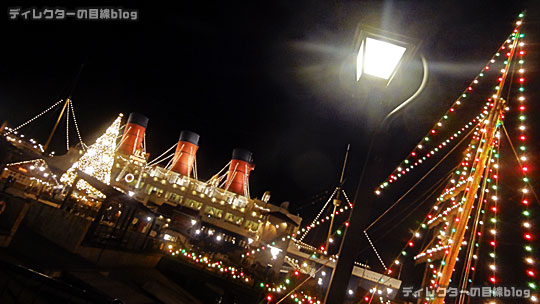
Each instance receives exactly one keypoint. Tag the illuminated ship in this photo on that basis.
(220, 208)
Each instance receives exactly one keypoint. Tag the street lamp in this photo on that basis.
(379, 56)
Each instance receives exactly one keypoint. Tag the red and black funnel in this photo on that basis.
(241, 166)
(133, 133)
(186, 149)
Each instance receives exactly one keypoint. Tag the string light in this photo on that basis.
(83, 145)
(524, 168)
(440, 123)
(34, 118)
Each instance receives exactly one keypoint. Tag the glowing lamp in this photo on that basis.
(378, 58)
(380, 53)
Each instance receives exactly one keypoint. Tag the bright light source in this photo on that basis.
(193, 222)
(274, 252)
(378, 58)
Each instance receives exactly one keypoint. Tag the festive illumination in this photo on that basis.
(97, 161)
(412, 160)
(378, 58)
(450, 204)
(521, 155)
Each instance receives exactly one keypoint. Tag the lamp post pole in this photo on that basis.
(360, 213)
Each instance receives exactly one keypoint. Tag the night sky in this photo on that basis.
(271, 77)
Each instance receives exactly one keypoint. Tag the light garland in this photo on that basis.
(210, 264)
(39, 165)
(34, 118)
(67, 127)
(83, 145)
(305, 230)
(411, 158)
(527, 225)
(493, 231)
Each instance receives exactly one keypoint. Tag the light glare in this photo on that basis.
(379, 59)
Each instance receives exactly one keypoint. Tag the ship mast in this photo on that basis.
(481, 158)
(336, 202)
(68, 100)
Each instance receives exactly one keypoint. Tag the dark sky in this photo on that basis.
(267, 76)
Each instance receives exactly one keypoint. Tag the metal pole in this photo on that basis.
(336, 201)
(350, 245)
(56, 124)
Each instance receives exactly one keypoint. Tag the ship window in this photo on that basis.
(173, 197)
(213, 211)
(158, 192)
(251, 225)
(149, 189)
(192, 204)
(239, 201)
(235, 219)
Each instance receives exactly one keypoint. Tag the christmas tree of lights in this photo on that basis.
(97, 161)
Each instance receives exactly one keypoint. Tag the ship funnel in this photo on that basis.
(239, 169)
(184, 156)
(133, 133)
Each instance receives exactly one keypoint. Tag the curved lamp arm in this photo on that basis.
(413, 96)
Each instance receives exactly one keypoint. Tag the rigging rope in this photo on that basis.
(83, 145)
(161, 155)
(519, 161)
(375, 250)
(35, 117)
(318, 215)
(423, 177)
(433, 189)
(67, 128)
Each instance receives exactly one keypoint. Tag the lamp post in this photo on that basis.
(380, 55)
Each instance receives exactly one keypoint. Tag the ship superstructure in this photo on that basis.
(220, 207)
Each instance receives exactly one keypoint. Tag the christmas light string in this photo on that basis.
(494, 208)
(527, 225)
(494, 211)
(67, 127)
(319, 214)
(34, 118)
(398, 172)
(306, 229)
(462, 180)
(83, 145)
